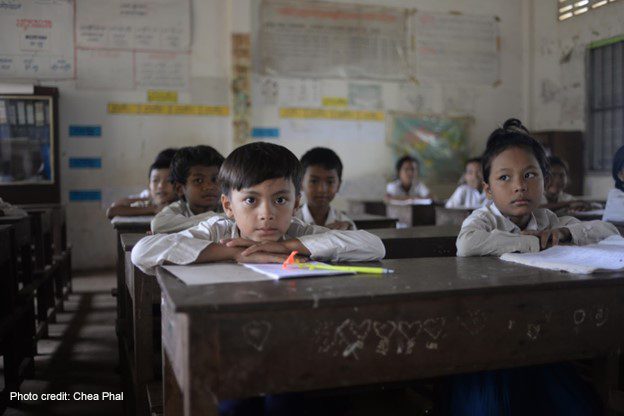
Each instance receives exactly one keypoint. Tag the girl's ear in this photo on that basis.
(179, 189)
(621, 175)
(297, 202)
(488, 190)
(227, 206)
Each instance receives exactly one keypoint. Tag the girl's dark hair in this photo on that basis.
(187, 157)
(255, 163)
(323, 157)
(512, 134)
(406, 158)
(618, 166)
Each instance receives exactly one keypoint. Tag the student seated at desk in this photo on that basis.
(407, 185)
(514, 167)
(161, 193)
(470, 193)
(554, 198)
(8, 210)
(194, 172)
(322, 176)
(144, 195)
(260, 185)
(614, 210)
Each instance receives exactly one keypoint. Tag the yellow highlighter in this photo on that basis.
(351, 269)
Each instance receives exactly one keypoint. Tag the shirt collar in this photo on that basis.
(508, 225)
(308, 219)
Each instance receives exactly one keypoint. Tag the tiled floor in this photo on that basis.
(80, 355)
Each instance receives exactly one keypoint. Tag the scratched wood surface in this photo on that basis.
(434, 316)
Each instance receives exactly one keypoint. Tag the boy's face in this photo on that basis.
(262, 212)
(557, 181)
(474, 175)
(201, 189)
(320, 186)
(408, 174)
(161, 190)
(516, 183)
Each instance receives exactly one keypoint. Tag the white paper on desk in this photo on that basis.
(139, 219)
(212, 273)
(276, 271)
(607, 255)
(413, 201)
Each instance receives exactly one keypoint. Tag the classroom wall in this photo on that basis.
(557, 93)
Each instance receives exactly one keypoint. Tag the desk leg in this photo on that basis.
(143, 320)
(172, 394)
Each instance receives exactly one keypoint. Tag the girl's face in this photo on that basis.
(474, 175)
(556, 182)
(516, 184)
(408, 174)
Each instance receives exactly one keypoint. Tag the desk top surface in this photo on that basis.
(413, 279)
(142, 221)
(129, 240)
(423, 231)
(370, 217)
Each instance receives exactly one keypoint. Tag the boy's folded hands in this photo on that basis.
(265, 251)
(550, 237)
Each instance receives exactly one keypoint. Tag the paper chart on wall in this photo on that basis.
(153, 25)
(102, 69)
(35, 41)
(162, 70)
(314, 129)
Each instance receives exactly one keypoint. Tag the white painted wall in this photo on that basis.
(129, 143)
(557, 93)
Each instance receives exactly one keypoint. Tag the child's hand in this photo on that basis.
(237, 242)
(338, 225)
(261, 257)
(579, 206)
(551, 237)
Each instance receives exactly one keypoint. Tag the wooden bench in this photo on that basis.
(422, 241)
(370, 221)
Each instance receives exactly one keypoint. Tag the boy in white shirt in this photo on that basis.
(194, 172)
(407, 185)
(514, 167)
(322, 177)
(470, 193)
(260, 184)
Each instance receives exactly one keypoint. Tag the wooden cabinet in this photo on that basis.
(568, 145)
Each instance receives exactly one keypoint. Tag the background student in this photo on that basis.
(555, 198)
(260, 185)
(514, 167)
(407, 185)
(470, 193)
(161, 193)
(614, 210)
(322, 177)
(194, 172)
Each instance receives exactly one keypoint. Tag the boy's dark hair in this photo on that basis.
(473, 160)
(324, 157)
(512, 134)
(406, 158)
(187, 157)
(162, 161)
(255, 163)
(618, 165)
(557, 161)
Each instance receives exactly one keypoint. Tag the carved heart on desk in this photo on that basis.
(256, 333)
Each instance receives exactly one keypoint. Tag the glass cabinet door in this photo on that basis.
(26, 145)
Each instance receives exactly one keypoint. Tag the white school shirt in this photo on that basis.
(324, 244)
(614, 209)
(418, 189)
(466, 197)
(177, 216)
(9, 210)
(488, 232)
(334, 215)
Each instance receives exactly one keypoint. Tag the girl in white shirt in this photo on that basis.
(407, 185)
(614, 210)
(470, 193)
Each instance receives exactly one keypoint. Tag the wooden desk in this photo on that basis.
(140, 341)
(432, 317)
(412, 215)
(370, 221)
(423, 241)
(451, 216)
